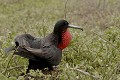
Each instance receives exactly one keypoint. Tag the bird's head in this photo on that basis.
(61, 30)
(62, 25)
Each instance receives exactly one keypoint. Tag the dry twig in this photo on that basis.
(107, 41)
(65, 10)
(85, 73)
(8, 63)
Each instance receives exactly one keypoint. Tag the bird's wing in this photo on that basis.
(21, 41)
(24, 40)
(27, 48)
(51, 54)
(24, 53)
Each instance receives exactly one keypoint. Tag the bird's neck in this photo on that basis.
(65, 39)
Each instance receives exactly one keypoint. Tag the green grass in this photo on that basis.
(95, 50)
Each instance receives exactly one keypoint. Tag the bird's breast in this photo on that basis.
(66, 38)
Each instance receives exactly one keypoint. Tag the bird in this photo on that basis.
(44, 52)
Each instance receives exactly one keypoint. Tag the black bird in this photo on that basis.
(45, 52)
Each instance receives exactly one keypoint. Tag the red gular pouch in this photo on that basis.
(66, 38)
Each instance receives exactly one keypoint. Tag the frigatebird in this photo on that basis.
(44, 52)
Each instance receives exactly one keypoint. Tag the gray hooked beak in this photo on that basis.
(75, 27)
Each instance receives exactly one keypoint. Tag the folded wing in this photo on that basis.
(24, 47)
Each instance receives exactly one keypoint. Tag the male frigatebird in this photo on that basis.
(45, 52)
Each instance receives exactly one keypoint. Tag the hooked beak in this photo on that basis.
(75, 27)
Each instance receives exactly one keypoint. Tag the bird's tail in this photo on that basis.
(9, 49)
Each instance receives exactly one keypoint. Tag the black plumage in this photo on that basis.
(42, 53)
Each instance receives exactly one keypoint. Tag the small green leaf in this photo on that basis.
(2, 77)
